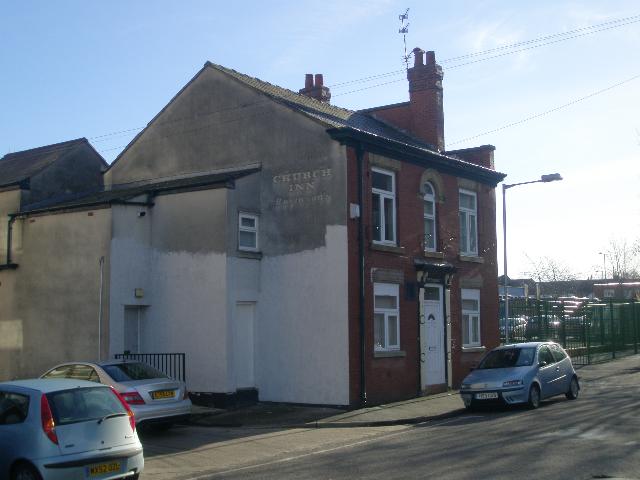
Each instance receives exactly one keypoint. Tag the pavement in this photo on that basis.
(276, 415)
(408, 412)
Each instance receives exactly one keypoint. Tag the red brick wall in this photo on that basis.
(390, 379)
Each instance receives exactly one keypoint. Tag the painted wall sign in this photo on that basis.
(301, 189)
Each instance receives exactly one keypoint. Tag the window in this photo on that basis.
(470, 318)
(557, 352)
(248, 232)
(544, 355)
(429, 218)
(383, 206)
(386, 318)
(609, 293)
(14, 408)
(468, 223)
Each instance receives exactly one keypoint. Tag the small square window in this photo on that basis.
(248, 232)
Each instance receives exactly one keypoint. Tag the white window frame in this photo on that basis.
(392, 290)
(471, 218)
(254, 230)
(382, 195)
(431, 198)
(609, 293)
(474, 316)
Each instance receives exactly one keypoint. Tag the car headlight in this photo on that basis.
(512, 383)
(465, 386)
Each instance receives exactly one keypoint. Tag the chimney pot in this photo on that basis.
(308, 81)
(418, 58)
(430, 58)
(319, 80)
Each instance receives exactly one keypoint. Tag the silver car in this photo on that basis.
(66, 429)
(521, 373)
(154, 397)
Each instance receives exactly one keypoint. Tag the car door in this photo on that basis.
(565, 369)
(548, 372)
(15, 432)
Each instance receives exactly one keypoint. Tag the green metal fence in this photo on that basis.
(590, 331)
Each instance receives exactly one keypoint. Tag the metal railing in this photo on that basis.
(171, 364)
(591, 331)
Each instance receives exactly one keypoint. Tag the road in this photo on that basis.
(596, 436)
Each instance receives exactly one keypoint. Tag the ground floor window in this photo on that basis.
(470, 317)
(386, 317)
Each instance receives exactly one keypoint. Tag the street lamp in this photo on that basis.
(604, 264)
(552, 177)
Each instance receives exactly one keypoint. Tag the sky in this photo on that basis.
(102, 70)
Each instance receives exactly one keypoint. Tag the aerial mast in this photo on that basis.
(404, 29)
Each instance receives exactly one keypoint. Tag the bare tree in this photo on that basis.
(623, 257)
(547, 269)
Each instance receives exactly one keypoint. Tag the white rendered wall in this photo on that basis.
(302, 325)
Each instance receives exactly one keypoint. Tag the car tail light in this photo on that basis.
(132, 398)
(48, 424)
(132, 417)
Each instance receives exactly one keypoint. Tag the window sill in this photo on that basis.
(380, 247)
(433, 254)
(8, 266)
(466, 258)
(389, 354)
(474, 349)
(248, 254)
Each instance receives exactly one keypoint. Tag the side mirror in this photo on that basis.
(542, 364)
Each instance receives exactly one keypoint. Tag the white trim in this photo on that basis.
(382, 195)
(254, 230)
(392, 290)
(474, 317)
(471, 218)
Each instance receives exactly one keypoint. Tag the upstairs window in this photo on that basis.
(248, 232)
(384, 206)
(468, 223)
(429, 201)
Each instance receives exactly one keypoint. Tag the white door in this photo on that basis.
(244, 344)
(432, 336)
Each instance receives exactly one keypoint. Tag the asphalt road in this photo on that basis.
(596, 436)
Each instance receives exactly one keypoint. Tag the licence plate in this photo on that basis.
(487, 396)
(160, 394)
(103, 468)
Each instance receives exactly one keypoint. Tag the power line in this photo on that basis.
(547, 112)
(569, 35)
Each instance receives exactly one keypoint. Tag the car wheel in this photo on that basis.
(24, 471)
(534, 397)
(574, 389)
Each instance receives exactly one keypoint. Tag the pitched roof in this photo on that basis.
(122, 193)
(341, 121)
(18, 167)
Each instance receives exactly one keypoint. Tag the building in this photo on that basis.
(293, 250)
(617, 290)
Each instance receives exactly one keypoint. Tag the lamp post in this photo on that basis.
(604, 264)
(552, 177)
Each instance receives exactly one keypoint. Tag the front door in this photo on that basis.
(432, 355)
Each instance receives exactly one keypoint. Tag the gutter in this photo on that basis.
(394, 149)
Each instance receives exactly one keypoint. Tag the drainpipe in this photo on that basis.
(12, 219)
(361, 300)
(101, 263)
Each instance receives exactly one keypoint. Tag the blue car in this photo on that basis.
(524, 373)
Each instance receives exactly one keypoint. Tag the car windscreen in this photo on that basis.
(83, 404)
(126, 372)
(508, 357)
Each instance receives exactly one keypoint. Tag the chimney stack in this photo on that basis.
(425, 98)
(315, 90)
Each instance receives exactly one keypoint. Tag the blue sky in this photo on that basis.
(78, 68)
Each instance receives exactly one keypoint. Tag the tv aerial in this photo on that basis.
(404, 29)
